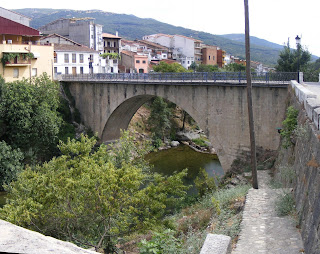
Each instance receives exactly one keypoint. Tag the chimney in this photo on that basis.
(116, 33)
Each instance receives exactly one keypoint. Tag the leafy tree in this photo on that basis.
(28, 114)
(10, 163)
(207, 68)
(235, 67)
(311, 71)
(204, 183)
(165, 67)
(159, 119)
(290, 58)
(84, 197)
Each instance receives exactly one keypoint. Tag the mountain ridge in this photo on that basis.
(132, 27)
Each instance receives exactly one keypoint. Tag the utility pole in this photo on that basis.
(249, 100)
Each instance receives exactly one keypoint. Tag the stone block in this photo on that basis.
(316, 117)
(310, 105)
(216, 244)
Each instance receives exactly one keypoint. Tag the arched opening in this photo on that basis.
(185, 144)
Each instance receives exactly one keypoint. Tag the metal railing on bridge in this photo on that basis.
(197, 77)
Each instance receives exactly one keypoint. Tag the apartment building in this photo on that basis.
(111, 43)
(21, 54)
(209, 55)
(81, 30)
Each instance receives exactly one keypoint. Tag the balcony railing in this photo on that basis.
(196, 77)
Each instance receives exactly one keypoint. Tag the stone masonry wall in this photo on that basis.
(302, 161)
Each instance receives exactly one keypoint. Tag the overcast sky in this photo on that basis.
(273, 20)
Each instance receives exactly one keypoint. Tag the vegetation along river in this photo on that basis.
(181, 157)
(177, 159)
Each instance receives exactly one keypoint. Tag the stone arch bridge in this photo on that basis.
(218, 104)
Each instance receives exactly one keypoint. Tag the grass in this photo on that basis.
(218, 212)
(285, 204)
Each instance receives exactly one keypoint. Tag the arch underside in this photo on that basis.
(121, 117)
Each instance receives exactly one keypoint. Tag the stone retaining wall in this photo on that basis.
(304, 160)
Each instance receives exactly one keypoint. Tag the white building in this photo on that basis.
(63, 45)
(184, 49)
(73, 59)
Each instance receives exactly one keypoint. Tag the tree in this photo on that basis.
(10, 163)
(165, 67)
(207, 68)
(28, 115)
(290, 58)
(235, 67)
(84, 197)
(159, 119)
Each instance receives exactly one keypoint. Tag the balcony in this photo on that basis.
(17, 59)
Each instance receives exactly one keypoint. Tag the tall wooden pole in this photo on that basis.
(249, 99)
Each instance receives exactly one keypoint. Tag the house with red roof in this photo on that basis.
(21, 54)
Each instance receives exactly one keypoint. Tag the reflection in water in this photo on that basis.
(181, 157)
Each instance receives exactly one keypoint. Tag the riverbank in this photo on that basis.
(218, 212)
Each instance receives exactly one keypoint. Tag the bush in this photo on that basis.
(289, 126)
(161, 243)
(204, 183)
(10, 163)
(285, 204)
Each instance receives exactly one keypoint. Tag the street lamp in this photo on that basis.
(298, 43)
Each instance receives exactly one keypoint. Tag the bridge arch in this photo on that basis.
(219, 110)
(122, 115)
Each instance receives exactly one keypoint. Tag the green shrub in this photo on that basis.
(161, 243)
(285, 204)
(289, 126)
(10, 163)
(204, 183)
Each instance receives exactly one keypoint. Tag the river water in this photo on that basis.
(181, 157)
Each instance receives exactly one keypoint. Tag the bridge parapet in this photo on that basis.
(239, 78)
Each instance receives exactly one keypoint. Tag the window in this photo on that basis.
(81, 70)
(66, 58)
(137, 61)
(74, 58)
(115, 61)
(111, 69)
(34, 72)
(16, 73)
(55, 57)
(81, 58)
(66, 70)
(55, 70)
(209, 57)
(144, 61)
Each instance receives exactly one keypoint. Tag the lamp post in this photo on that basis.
(298, 43)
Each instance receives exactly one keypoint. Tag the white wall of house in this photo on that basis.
(78, 63)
